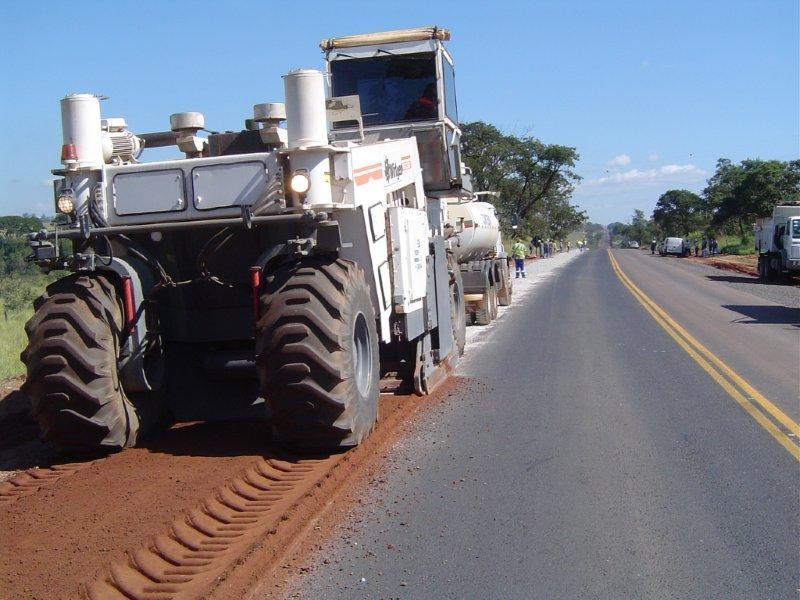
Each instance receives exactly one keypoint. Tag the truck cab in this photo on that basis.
(778, 242)
(402, 84)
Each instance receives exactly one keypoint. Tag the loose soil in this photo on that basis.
(739, 264)
(226, 503)
(19, 447)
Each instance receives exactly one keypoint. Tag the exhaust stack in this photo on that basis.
(307, 133)
(80, 127)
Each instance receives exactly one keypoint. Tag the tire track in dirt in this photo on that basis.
(33, 480)
(183, 561)
(219, 545)
(206, 509)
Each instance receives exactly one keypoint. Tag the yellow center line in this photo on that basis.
(708, 361)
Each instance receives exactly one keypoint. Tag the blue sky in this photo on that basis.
(650, 93)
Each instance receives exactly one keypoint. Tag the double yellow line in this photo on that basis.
(764, 412)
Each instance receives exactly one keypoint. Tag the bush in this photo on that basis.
(17, 292)
(736, 245)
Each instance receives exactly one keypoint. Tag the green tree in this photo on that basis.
(14, 225)
(593, 233)
(679, 212)
(738, 194)
(535, 180)
(639, 229)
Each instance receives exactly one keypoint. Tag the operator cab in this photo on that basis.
(405, 84)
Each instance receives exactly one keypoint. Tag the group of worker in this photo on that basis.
(538, 248)
(705, 247)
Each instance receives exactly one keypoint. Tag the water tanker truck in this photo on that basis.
(478, 249)
(308, 266)
(778, 242)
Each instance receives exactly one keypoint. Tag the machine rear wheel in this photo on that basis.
(504, 297)
(72, 366)
(458, 314)
(317, 355)
(485, 314)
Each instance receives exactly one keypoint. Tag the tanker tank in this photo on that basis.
(477, 230)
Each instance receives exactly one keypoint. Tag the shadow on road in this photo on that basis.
(216, 439)
(233, 438)
(754, 280)
(775, 315)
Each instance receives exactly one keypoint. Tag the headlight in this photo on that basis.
(65, 204)
(300, 182)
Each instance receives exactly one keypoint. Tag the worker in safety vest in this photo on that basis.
(518, 252)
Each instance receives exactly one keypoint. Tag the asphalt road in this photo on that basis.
(592, 458)
(757, 337)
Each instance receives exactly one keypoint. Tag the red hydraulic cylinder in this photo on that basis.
(255, 285)
(127, 303)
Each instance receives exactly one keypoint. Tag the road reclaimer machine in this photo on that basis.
(309, 262)
(778, 242)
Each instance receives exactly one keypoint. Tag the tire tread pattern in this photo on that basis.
(71, 362)
(302, 354)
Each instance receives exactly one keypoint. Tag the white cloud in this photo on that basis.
(622, 160)
(667, 174)
(615, 195)
(654, 158)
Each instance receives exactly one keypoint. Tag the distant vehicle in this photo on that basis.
(633, 245)
(676, 246)
(778, 242)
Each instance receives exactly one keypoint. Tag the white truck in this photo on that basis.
(777, 241)
(482, 260)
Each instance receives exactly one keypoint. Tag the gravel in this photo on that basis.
(783, 294)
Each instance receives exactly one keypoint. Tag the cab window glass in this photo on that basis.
(450, 107)
(391, 89)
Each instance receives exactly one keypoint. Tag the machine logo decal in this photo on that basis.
(366, 174)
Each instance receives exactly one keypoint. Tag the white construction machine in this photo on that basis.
(308, 265)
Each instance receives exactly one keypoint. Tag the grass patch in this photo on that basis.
(733, 244)
(12, 341)
(17, 293)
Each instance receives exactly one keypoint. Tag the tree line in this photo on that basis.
(20, 281)
(535, 180)
(734, 197)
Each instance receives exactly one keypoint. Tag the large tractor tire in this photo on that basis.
(504, 297)
(72, 366)
(486, 313)
(317, 355)
(493, 302)
(458, 313)
(763, 268)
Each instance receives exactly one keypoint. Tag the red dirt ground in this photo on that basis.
(61, 537)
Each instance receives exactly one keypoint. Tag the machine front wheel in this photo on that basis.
(72, 366)
(317, 354)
